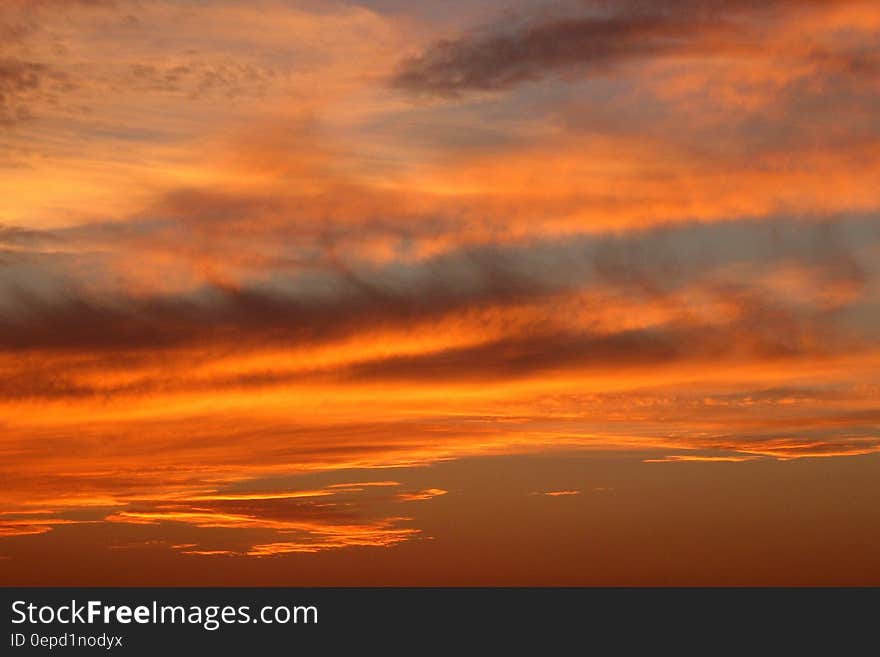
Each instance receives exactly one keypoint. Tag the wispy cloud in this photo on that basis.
(426, 494)
(694, 458)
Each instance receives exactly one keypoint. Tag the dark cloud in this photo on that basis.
(18, 78)
(762, 328)
(515, 357)
(600, 37)
(509, 358)
(25, 86)
(330, 300)
(18, 236)
(251, 315)
(496, 61)
(762, 331)
(766, 333)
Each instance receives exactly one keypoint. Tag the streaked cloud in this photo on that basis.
(303, 520)
(695, 458)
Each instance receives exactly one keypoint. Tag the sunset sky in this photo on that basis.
(439, 292)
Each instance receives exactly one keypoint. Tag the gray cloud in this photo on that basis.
(599, 37)
(329, 299)
(719, 263)
(17, 79)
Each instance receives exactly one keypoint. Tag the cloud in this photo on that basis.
(31, 526)
(498, 61)
(592, 41)
(18, 81)
(328, 299)
(859, 437)
(20, 237)
(691, 458)
(357, 486)
(301, 523)
(205, 79)
(426, 494)
(741, 292)
(20, 19)
(381, 534)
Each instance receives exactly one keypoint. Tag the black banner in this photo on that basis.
(126, 621)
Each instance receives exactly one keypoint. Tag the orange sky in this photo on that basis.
(283, 280)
